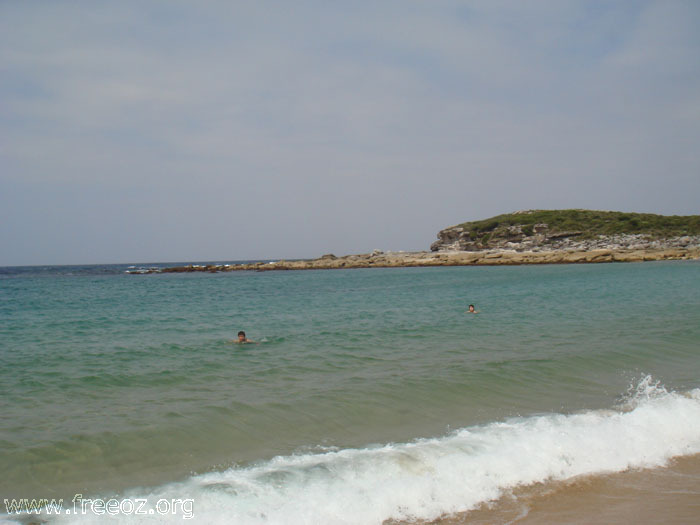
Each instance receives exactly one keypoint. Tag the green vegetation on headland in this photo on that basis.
(589, 223)
(583, 230)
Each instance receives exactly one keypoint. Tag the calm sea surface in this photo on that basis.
(371, 395)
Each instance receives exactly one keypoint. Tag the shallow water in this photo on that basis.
(363, 379)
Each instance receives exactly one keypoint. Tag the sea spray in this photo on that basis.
(429, 478)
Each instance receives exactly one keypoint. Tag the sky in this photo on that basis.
(172, 130)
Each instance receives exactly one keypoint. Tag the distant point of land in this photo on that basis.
(523, 237)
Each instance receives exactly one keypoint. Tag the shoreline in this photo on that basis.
(379, 259)
(665, 494)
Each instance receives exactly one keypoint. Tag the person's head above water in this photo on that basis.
(242, 339)
(471, 309)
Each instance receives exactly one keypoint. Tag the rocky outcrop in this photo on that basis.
(539, 238)
(526, 237)
(494, 257)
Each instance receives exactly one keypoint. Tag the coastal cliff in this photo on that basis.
(579, 230)
(527, 237)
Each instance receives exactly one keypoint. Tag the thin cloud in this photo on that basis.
(292, 131)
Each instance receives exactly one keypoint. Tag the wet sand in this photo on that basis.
(668, 495)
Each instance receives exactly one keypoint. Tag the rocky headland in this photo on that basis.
(577, 230)
(527, 237)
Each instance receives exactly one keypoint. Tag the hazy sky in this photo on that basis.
(139, 131)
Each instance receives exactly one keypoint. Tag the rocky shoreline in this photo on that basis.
(523, 237)
(501, 257)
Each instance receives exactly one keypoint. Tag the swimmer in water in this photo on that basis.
(243, 340)
(471, 310)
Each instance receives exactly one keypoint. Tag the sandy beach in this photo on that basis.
(669, 495)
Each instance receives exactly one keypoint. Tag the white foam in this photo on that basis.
(430, 477)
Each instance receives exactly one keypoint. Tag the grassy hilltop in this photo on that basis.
(588, 223)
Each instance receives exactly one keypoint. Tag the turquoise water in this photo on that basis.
(114, 384)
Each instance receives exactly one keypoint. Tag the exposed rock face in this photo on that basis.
(538, 238)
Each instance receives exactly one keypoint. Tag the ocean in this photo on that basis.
(370, 397)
